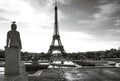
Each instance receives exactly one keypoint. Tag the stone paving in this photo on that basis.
(47, 75)
(78, 74)
(92, 74)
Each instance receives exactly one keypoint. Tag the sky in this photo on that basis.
(84, 25)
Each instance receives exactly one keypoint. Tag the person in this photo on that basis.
(13, 37)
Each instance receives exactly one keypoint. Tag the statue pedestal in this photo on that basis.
(13, 64)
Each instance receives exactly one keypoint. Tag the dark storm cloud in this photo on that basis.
(79, 9)
(106, 15)
(99, 18)
(108, 1)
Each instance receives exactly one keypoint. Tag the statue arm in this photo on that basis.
(7, 41)
(19, 39)
(20, 44)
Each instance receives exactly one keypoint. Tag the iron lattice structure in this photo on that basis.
(56, 37)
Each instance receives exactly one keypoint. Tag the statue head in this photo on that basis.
(13, 26)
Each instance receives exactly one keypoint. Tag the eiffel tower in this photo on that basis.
(56, 37)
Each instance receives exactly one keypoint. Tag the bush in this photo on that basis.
(83, 63)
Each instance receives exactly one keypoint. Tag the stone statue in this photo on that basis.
(13, 37)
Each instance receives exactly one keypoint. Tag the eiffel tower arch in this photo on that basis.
(56, 38)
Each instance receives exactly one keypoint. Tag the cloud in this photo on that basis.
(117, 22)
(104, 19)
(87, 21)
(15, 10)
(65, 1)
(107, 10)
(3, 20)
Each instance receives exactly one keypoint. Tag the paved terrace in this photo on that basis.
(77, 74)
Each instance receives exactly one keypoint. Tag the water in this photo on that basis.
(38, 63)
(1, 70)
(117, 65)
(69, 63)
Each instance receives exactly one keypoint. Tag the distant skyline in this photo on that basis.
(84, 25)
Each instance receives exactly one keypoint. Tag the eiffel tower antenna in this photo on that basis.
(56, 37)
(55, 2)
